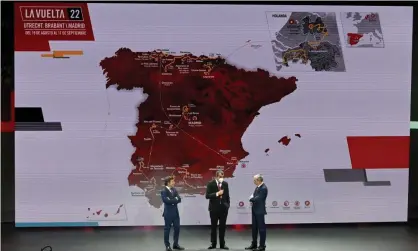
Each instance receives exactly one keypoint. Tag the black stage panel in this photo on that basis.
(367, 238)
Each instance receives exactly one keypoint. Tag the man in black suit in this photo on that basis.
(171, 198)
(258, 210)
(217, 192)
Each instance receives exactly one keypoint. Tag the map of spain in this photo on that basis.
(194, 117)
(362, 29)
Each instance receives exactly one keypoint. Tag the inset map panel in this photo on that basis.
(362, 29)
(306, 38)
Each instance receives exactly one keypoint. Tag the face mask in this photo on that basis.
(221, 180)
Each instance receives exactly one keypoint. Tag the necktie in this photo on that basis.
(219, 189)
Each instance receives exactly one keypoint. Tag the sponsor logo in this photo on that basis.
(241, 204)
(286, 203)
(274, 203)
(297, 203)
(307, 203)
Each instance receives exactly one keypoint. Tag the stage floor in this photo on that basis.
(345, 238)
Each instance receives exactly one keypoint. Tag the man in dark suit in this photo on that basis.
(217, 192)
(258, 210)
(171, 198)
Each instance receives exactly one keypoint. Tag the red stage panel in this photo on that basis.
(381, 152)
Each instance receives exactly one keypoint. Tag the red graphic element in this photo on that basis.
(274, 203)
(241, 204)
(371, 17)
(88, 229)
(267, 150)
(238, 227)
(99, 212)
(354, 38)
(289, 227)
(285, 140)
(307, 203)
(380, 152)
(298, 135)
(286, 203)
(118, 211)
(38, 23)
(9, 126)
(243, 165)
(226, 98)
(105, 215)
(297, 203)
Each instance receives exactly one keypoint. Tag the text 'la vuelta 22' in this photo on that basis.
(41, 13)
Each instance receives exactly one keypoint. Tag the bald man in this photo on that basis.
(258, 211)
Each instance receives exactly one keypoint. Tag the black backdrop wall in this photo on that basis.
(413, 163)
(7, 138)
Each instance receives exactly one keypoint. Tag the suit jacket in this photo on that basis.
(170, 200)
(216, 203)
(259, 200)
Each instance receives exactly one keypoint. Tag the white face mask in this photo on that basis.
(221, 180)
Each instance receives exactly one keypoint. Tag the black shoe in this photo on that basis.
(213, 246)
(224, 247)
(178, 247)
(168, 249)
(251, 247)
(261, 249)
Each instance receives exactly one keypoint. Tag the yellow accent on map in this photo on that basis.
(62, 54)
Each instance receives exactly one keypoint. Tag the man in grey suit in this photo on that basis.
(258, 211)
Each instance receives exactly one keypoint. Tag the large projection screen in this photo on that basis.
(112, 98)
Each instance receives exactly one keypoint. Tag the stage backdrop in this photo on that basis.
(112, 98)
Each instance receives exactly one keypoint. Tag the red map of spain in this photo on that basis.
(196, 113)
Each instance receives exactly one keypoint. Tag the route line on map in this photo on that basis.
(177, 125)
(180, 129)
(152, 143)
(302, 52)
(159, 58)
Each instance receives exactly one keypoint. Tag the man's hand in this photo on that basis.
(220, 192)
(177, 198)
